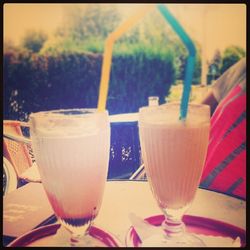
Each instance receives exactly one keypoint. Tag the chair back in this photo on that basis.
(17, 153)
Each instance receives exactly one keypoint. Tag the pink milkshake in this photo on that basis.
(72, 154)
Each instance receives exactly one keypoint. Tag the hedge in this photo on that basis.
(34, 82)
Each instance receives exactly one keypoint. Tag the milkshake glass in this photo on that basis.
(71, 149)
(174, 152)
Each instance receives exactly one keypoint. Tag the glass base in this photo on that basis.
(172, 233)
(184, 240)
(79, 233)
(64, 238)
(84, 241)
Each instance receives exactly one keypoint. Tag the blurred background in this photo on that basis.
(53, 52)
(53, 57)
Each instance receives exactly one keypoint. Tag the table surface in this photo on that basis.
(124, 197)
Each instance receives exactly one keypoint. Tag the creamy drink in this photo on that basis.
(174, 151)
(72, 154)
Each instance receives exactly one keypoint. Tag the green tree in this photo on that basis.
(180, 62)
(152, 30)
(214, 66)
(230, 56)
(89, 20)
(34, 40)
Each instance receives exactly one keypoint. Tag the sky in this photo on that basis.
(215, 26)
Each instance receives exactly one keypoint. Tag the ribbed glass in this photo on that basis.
(71, 148)
(174, 152)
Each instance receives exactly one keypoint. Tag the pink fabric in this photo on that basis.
(225, 165)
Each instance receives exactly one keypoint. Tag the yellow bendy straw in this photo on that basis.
(107, 56)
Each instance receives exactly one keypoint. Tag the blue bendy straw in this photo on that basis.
(190, 60)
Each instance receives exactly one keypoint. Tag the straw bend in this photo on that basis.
(107, 57)
(190, 60)
(178, 29)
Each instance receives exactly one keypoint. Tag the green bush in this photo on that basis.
(35, 82)
(231, 55)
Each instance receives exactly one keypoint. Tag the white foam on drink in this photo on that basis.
(63, 125)
(168, 114)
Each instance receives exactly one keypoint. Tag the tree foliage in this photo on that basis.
(221, 62)
(90, 20)
(230, 56)
(33, 40)
(214, 67)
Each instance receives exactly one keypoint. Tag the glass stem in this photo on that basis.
(173, 228)
(173, 224)
(76, 239)
(80, 238)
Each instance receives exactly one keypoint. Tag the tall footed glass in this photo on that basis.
(71, 148)
(174, 153)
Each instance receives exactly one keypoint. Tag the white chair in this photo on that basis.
(139, 174)
(17, 150)
(9, 177)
